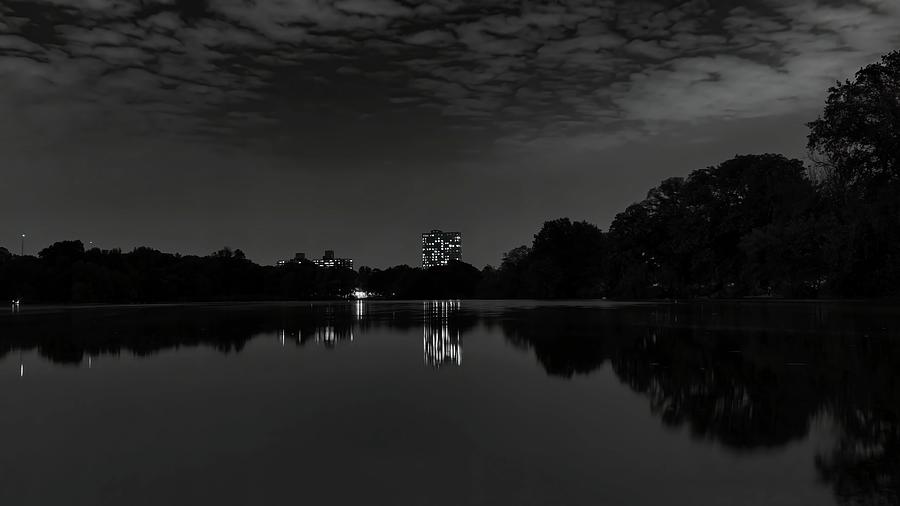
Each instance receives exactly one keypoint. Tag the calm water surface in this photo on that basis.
(451, 403)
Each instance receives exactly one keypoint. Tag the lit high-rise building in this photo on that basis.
(439, 248)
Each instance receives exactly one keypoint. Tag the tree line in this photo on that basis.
(753, 226)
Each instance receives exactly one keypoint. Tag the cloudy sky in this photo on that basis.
(279, 126)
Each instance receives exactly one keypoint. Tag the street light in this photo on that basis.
(22, 251)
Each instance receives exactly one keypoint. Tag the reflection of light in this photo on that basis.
(21, 370)
(329, 335)
(440, 308)
(440, 344)
(282, 338)
(359, 309)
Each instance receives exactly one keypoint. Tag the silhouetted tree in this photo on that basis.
(453, 281)
(565, 260)
(722, 231)
(65, 273)
(506, 281)
(856, 141)
(643, 261)
(856, 145)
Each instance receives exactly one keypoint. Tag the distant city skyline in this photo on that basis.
(328, 260)
(437, 248)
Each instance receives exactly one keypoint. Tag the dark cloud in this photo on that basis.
(576, 69)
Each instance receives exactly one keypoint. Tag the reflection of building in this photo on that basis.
(359, 309)
(439, 248)
(328, 260)
(327, 325)
(329, 335)
(441, 343)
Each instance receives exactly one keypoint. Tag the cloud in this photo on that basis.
(430, 38)
(386, 8)
(535, 73)
(777, 64)
(649, 49)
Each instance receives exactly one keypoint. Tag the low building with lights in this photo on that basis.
(298, 258)
(439, 248)
(328, 260)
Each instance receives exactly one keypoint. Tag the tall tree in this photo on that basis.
(856, 144)
(856, 141)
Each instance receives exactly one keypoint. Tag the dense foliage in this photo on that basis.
(755, 225)
(856, 145)
(66, 272)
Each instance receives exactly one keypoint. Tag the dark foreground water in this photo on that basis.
(451, 403)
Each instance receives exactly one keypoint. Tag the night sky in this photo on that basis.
(279, 126)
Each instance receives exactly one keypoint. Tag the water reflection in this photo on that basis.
(749, 378)
(441, 343)
(744, 377)
(327, 325)
(359, 309)
(330, 335)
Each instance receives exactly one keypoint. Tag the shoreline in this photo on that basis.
(30, 308)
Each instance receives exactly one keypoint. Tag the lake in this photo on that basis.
(451, 403)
